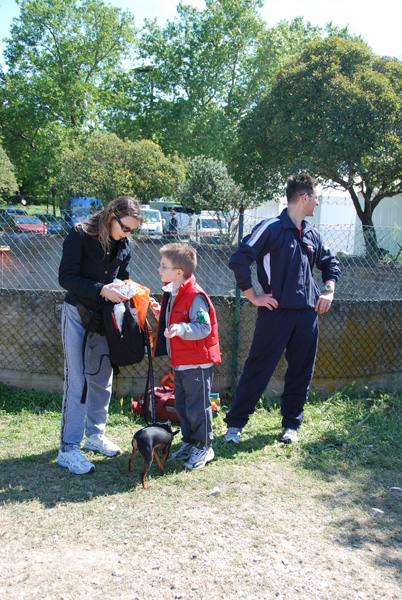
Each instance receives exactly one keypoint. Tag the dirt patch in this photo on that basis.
(258, 531)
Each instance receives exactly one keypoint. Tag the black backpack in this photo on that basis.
(126, 347)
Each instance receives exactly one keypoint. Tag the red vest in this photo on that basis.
(190, 352)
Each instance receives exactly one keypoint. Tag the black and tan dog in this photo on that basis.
(148, 441)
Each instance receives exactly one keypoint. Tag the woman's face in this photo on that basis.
(122, 227)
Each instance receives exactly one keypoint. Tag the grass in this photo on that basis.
(346, 432)
(289, 510)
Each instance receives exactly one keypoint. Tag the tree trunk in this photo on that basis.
(365, 215)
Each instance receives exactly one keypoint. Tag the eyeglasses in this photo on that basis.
(167, 268)
(123, 227)
(311, 195)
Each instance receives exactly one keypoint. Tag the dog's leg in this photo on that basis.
(135, 448)
(161, 465)
(145, 468)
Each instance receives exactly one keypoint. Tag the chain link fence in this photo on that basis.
(366, 318)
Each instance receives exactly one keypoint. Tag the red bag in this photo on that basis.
(164, 405)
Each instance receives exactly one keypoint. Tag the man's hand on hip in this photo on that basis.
(266, 300)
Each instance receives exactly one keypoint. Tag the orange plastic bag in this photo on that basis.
(141, 303)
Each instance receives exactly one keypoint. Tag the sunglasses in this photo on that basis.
(123, 227)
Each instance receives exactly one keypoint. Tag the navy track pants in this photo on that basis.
(295, 330)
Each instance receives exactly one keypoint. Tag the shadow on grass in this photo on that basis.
(39, 477)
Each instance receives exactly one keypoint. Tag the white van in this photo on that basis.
(207, 228)
(166, 206)
(151, 226)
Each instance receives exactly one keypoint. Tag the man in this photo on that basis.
(173, 222)
(285, 249)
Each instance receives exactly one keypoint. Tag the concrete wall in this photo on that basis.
(359, 341)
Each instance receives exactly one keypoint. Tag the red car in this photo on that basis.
(28, 224)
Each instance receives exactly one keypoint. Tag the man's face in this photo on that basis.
(311, 201)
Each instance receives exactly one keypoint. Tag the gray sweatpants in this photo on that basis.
(193, 404)
(77, 418)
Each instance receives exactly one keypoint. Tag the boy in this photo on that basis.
(188, 333)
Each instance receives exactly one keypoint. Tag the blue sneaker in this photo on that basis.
(289, 436)
(200, 456)
(233, 434)
(184, 452)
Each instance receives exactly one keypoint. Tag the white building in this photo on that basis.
(337, 220)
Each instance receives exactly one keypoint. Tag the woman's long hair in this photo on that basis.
(98, 224)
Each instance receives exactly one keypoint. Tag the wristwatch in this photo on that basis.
(328, 288)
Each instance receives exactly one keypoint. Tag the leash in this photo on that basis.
(150, 380)
(94, 313)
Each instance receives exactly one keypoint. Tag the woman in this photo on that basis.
(95, 253)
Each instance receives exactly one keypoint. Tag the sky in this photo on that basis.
(377, 22)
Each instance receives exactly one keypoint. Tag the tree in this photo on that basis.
(334, 111)
(58, 55)
(8, 182)
(210, 187)
(200, 74)
(103, 166)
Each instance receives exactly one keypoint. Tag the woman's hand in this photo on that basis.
(110, 291)
(155, 307)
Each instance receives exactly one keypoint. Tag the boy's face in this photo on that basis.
(169, 273)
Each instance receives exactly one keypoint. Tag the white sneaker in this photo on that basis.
(289, 436)
(184, 452)
(200, 456)
(233, 434)
(75, 461)
(100, 443)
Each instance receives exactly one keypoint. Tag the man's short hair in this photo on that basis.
(299, 184)
(182, 256)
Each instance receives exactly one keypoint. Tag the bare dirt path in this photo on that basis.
(270, 532)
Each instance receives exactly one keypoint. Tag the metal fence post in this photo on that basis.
(236, 325)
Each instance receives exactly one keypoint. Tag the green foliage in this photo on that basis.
(200, 74)
(335, 112)
(105, 167)
(8, 182)
(58, 54)
(209, 186)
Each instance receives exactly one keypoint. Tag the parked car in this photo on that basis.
(54, 224)
(207, 228)
(151, 226)
(28, 224)
(6, 217)
(14, 211)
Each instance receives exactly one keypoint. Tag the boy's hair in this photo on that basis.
(182, 256)
(299, 184)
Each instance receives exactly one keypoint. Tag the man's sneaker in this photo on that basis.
(75, 461)
(233, 434)
(199, 457)
(100, 443)
(289, 436)
(184, 452)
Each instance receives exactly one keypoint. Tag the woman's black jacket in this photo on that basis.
(85, 268)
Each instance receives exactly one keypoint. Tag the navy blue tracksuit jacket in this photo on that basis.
(284, 268)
